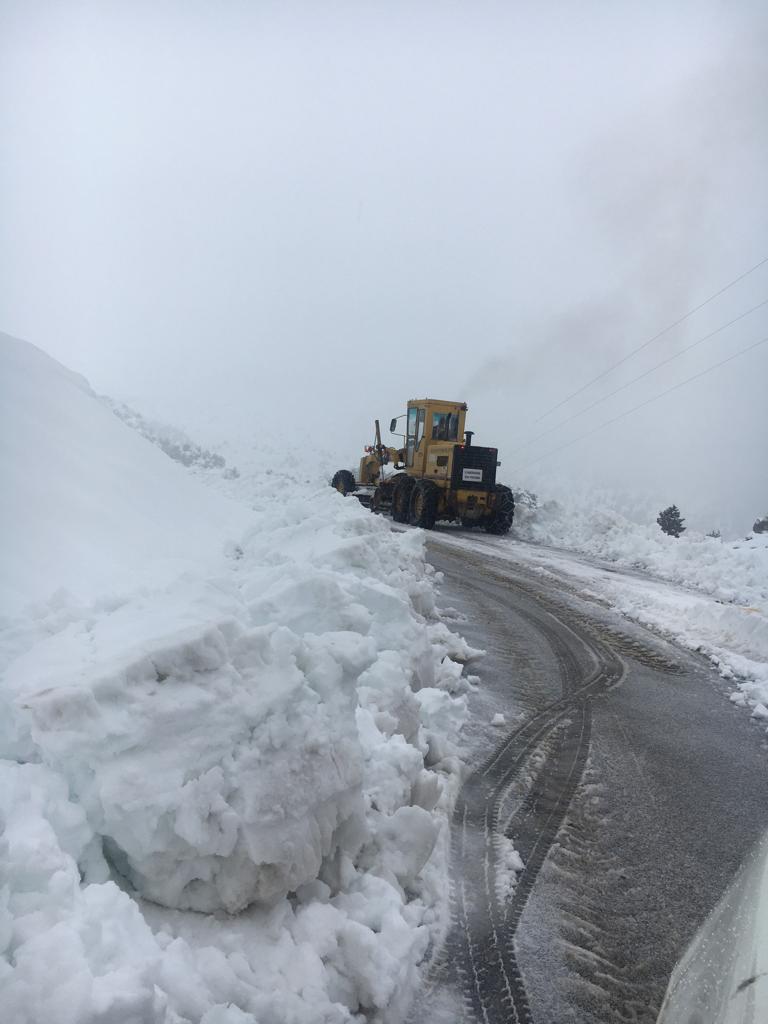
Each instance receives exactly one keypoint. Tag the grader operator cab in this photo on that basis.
(438, 474)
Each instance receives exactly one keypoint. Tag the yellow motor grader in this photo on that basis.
(437, 475)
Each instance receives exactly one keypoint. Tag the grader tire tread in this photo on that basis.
(504, 513)
(344, 481)
(423, 505)
(401, 498)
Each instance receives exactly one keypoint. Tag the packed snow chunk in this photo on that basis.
(426, 790)
(217, 771)
(392, 764)
(405, 840)
(752, 692)
(370, 945)
(443, 717)
(508, 866)
(228, 1014)
(67, 953)
(498, 719)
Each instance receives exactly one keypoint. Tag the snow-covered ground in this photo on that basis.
(229, 714)
(228, 732)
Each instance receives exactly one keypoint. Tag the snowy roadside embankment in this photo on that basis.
(734, 571)
(263, 725)
(723, 610)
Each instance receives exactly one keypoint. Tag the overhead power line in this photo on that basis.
(642, 405)
(640, 376)
(650, 341)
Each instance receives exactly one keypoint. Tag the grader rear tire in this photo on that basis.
(504, 512)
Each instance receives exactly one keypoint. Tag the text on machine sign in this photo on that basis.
(474, 476)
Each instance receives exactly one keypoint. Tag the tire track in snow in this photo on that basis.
(480, 948)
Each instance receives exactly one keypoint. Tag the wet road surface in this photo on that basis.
(629, 785)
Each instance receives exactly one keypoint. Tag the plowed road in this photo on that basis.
(629, 785)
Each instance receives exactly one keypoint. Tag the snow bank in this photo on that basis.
(723, 610)
(263, 724)
(734, 571)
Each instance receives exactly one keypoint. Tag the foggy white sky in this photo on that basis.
(243, 215)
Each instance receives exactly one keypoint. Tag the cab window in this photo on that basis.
(445, 426)
(412, 417)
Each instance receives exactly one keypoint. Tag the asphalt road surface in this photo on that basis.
(631, 788)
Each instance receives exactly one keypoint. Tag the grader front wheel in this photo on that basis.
(401, 498)
(344, 481)
(423, 505)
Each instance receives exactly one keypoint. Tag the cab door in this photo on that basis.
(416, 443)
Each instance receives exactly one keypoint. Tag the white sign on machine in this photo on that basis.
(472, 476)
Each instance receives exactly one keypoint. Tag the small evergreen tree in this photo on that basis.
(761, 525)
(671, 521)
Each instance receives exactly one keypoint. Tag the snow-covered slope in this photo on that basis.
(86, 505)
(262, 723)
(174, 442)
